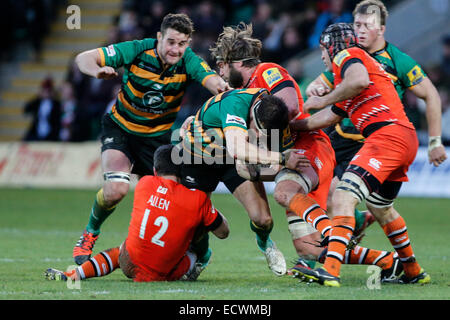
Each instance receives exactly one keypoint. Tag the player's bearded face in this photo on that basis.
(367, 29)
(235, 78)
(172, 45)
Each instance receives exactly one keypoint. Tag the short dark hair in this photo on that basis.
(162, 161)
(179, 22)
(272, 113)
(370, 7)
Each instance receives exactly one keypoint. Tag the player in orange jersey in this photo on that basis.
(237, 56)
(166, 217)
(364, 93)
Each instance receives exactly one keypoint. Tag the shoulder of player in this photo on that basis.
(193, 196)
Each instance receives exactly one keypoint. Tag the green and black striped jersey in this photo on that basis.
(150, 95)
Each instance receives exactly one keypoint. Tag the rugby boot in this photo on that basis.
(53, 274)
(83, 248)
(421, 278)
(300, 263)
(320, 275)
(275, 258)
(391, 274)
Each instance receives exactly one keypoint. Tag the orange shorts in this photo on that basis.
(141, 271)
(317, 148)
(388, 152)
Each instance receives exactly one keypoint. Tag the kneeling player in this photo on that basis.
(164, 220)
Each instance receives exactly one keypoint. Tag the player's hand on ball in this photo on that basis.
(106, 73)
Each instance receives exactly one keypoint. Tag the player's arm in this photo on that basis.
(290, 98)
(223, 230)
(90, 62)
(215, 84)
(322, 119)
(427, 91)
(355, 80)
(239, 148)
(317, 87)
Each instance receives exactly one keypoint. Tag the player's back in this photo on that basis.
(163, 222)
(379, 102)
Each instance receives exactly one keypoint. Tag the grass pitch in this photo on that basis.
(38, 229)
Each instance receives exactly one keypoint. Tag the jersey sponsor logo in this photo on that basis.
(374, 163)
(232, 119)
(415, 75)
(318, 163)
(340, 57)
(110, 51)
(108, 140)
(162, 190)
(272, 76)
(152, 99)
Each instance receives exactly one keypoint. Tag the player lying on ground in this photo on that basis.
(157, 73)
(370, 18)
(364, 93)
(237, 56)
(165, 218)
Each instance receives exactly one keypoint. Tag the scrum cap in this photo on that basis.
(337, 37)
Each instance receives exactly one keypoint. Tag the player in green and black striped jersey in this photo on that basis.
(156, 75)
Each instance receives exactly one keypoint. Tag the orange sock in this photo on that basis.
(340, 234)
(98, 266)
(397, 233)
(308, 209)
(361, 255)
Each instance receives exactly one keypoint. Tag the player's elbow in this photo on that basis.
(222, 232)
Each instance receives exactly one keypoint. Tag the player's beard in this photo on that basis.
(235, 80)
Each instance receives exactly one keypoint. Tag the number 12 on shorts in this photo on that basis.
(161, 222)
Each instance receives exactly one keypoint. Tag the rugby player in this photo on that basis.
(219, 135)
(157, 73)
(165, 218)
(365, 93)
(237, 56)
(370, 25)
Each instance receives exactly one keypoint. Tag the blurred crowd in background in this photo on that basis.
(287, 28)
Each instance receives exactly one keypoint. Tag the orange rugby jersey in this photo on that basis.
(375, 106)
(274, 77)
(164, 219)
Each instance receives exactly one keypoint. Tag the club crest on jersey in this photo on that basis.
(152, 99)
(272, 76)
(374, 163)
(232, 119)
(340, 57)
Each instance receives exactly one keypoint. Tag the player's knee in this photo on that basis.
(264, 222)
(114, 192)
(285, 191)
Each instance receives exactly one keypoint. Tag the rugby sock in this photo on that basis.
(308, 209)
(360, 217)
(200, 248)
(361, 255)
(98, 266)
(397, 234)
(340, 234)
(99, 213)
(262, 235)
